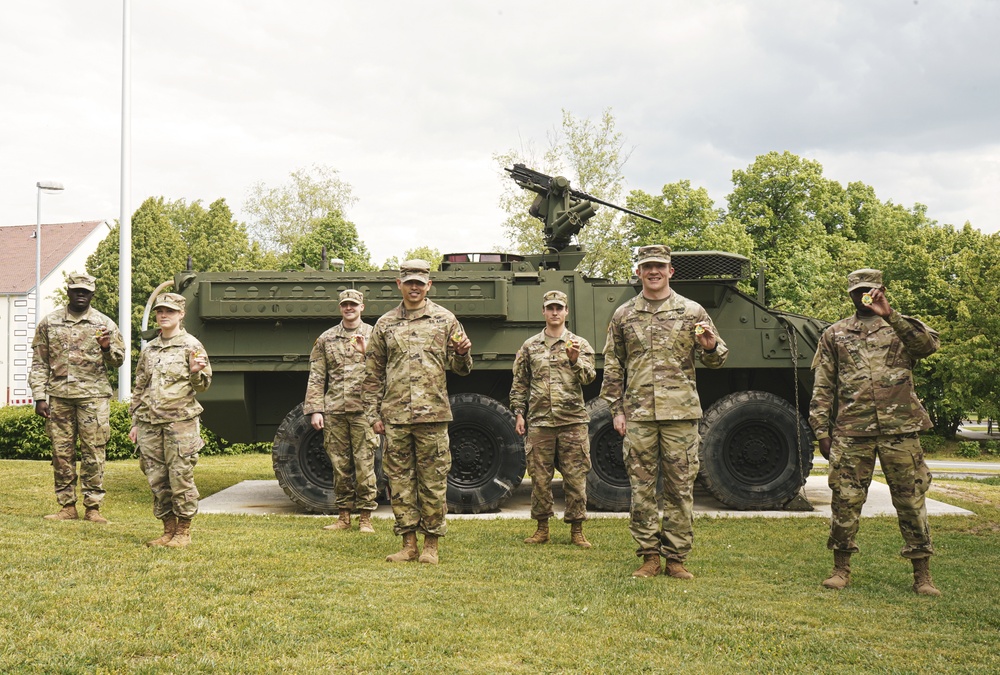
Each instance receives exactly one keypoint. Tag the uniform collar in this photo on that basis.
(672, 301)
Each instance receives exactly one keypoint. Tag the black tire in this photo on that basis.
(303, 468)
(749, 455)
(487, 454)
(608, 487)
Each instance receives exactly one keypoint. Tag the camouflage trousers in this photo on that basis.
(86, 420)
(571, 444)
(167, 455)
(668, 449)
(416, 461)
(852, 462)
(350, 444)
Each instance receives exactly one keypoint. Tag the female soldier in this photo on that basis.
(172, 368)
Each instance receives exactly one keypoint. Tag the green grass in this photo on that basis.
(273, 594)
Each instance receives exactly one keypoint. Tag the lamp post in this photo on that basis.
(43, 186)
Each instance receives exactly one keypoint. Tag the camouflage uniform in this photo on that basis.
(165, 413)
(70, 370)
(657, 348)
(336, 373)
(405, 386)
(552, 388)
(864, 399)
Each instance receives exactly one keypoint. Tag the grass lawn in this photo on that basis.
(278, 594)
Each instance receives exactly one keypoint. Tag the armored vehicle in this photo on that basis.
(259, 328)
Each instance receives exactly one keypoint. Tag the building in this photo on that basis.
(65, 249)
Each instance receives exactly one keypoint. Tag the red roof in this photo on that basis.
(17, 252)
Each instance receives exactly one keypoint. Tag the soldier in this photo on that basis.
(550, 371)
(406, 398)
(654, 338)
(74, 350)
(172, 369)
(333, 401)
(863, 405)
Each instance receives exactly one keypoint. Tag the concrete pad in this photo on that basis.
(264, 497)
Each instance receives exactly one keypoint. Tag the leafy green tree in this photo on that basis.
(282, 215)
(339, 236)
(215, 240)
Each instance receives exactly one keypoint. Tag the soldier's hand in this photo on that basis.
(573, 350)
(379, 428)
(197, 362)
(519, 426)
(42, 408)
(824, 447)
(133, 435)
(463, 345)
(316, 421)
(704, 335)
(103, 337)
(880, 303)
(619, 423)
(358, 342)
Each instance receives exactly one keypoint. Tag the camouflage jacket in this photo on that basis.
(656, 350)
(336, 372)
(165, 387)
(864, 378)
(549, 384)
(67, 361)
(407, 358)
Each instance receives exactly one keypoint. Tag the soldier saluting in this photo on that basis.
(73, 352)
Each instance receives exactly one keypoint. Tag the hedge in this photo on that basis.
(22, 436)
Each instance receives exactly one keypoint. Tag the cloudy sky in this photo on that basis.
(410, 100)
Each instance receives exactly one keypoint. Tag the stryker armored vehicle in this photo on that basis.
(259, 328)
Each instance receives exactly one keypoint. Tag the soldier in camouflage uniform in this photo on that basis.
(863, 405)
(550, 371)
(172, 369)
(74, 350)
(406, 397)
(649, 383)
(333, 402)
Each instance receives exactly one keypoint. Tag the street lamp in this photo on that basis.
(43, 186)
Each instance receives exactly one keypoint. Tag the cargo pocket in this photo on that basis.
(188, 437)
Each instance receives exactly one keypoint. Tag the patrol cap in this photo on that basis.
(170, 301)
(555, 298)
(866, 278)
(415, 269)
(352, 295)
(654, 253)
(84, 281)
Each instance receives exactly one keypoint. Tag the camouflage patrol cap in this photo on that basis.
(352, 295)
(170, 301)
(84, 281)
(415, 269)
(655, 253)
(866, 278)
(555, 298)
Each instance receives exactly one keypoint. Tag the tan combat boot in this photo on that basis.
(67, 512)
(409, 551)
(365, 523)
(922, 582)
(675, 569)
(576, 535)
(182, 535)
(541, 535)
(430, 553)
(650, 566)
(169, 527)
(93, 515)
(841, 576)
(342, 523)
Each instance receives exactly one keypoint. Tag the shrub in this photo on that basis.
(22, 436)
(992, 447)
(931, 443)
(968, 449)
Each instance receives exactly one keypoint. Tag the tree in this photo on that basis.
(282, 215)
(339, 236)
(215, 241)
(431, 255)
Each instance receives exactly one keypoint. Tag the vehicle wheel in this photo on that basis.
(749, 456)
(302, 467)
(487, 454)
(608, 487)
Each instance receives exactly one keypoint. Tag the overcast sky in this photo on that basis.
(410, 100)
